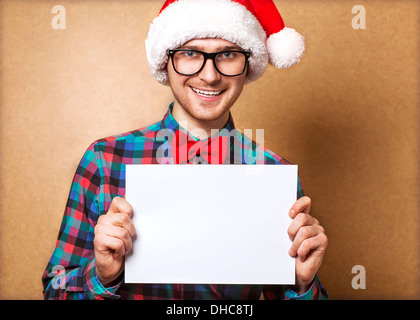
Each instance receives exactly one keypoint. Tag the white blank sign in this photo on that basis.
(218, 224)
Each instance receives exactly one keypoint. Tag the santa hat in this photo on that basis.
(253, 25)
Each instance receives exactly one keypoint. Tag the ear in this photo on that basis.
(247, 70)
(165, 68)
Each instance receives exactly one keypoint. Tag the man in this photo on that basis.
(205, 51)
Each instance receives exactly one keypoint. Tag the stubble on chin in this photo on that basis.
(202, 111)
(205, 113)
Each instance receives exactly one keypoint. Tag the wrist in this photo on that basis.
(302, 287)
(94, 287)
(108, 282)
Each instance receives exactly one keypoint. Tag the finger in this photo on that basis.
(118, 220)
(317, 243)
(118, 233)
(301, 219)
(121, 205)
(105, 243)
(303, 234)
(303, 204)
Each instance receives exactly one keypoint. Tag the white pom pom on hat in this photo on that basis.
(254, 25)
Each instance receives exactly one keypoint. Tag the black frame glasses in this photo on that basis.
(211, 56)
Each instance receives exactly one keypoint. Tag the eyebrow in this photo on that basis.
(226, 48)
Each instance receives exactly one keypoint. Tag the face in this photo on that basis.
(208, 95)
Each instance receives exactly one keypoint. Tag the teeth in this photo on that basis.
(206, 93)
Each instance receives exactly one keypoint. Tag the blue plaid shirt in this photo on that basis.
(100, 176)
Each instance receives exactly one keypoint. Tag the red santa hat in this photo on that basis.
(254, 25)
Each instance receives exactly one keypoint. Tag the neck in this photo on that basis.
(201, 129)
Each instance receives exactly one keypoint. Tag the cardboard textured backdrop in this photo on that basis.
(348, 115)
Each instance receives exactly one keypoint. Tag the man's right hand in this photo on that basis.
(113, 240)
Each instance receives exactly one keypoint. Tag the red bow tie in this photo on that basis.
(185, 150)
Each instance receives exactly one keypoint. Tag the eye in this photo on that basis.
(228, 55)
(189, 54)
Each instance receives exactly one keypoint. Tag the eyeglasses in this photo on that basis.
(188, 62)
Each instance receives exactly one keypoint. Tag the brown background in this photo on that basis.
(347, 114)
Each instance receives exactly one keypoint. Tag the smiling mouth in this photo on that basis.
(205, 93)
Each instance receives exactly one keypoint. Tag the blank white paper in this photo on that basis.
(218, 224)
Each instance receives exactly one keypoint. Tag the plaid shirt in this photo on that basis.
(100, 176)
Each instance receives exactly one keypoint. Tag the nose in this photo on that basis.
(209, 73)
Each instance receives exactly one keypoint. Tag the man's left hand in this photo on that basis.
(309, 243)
